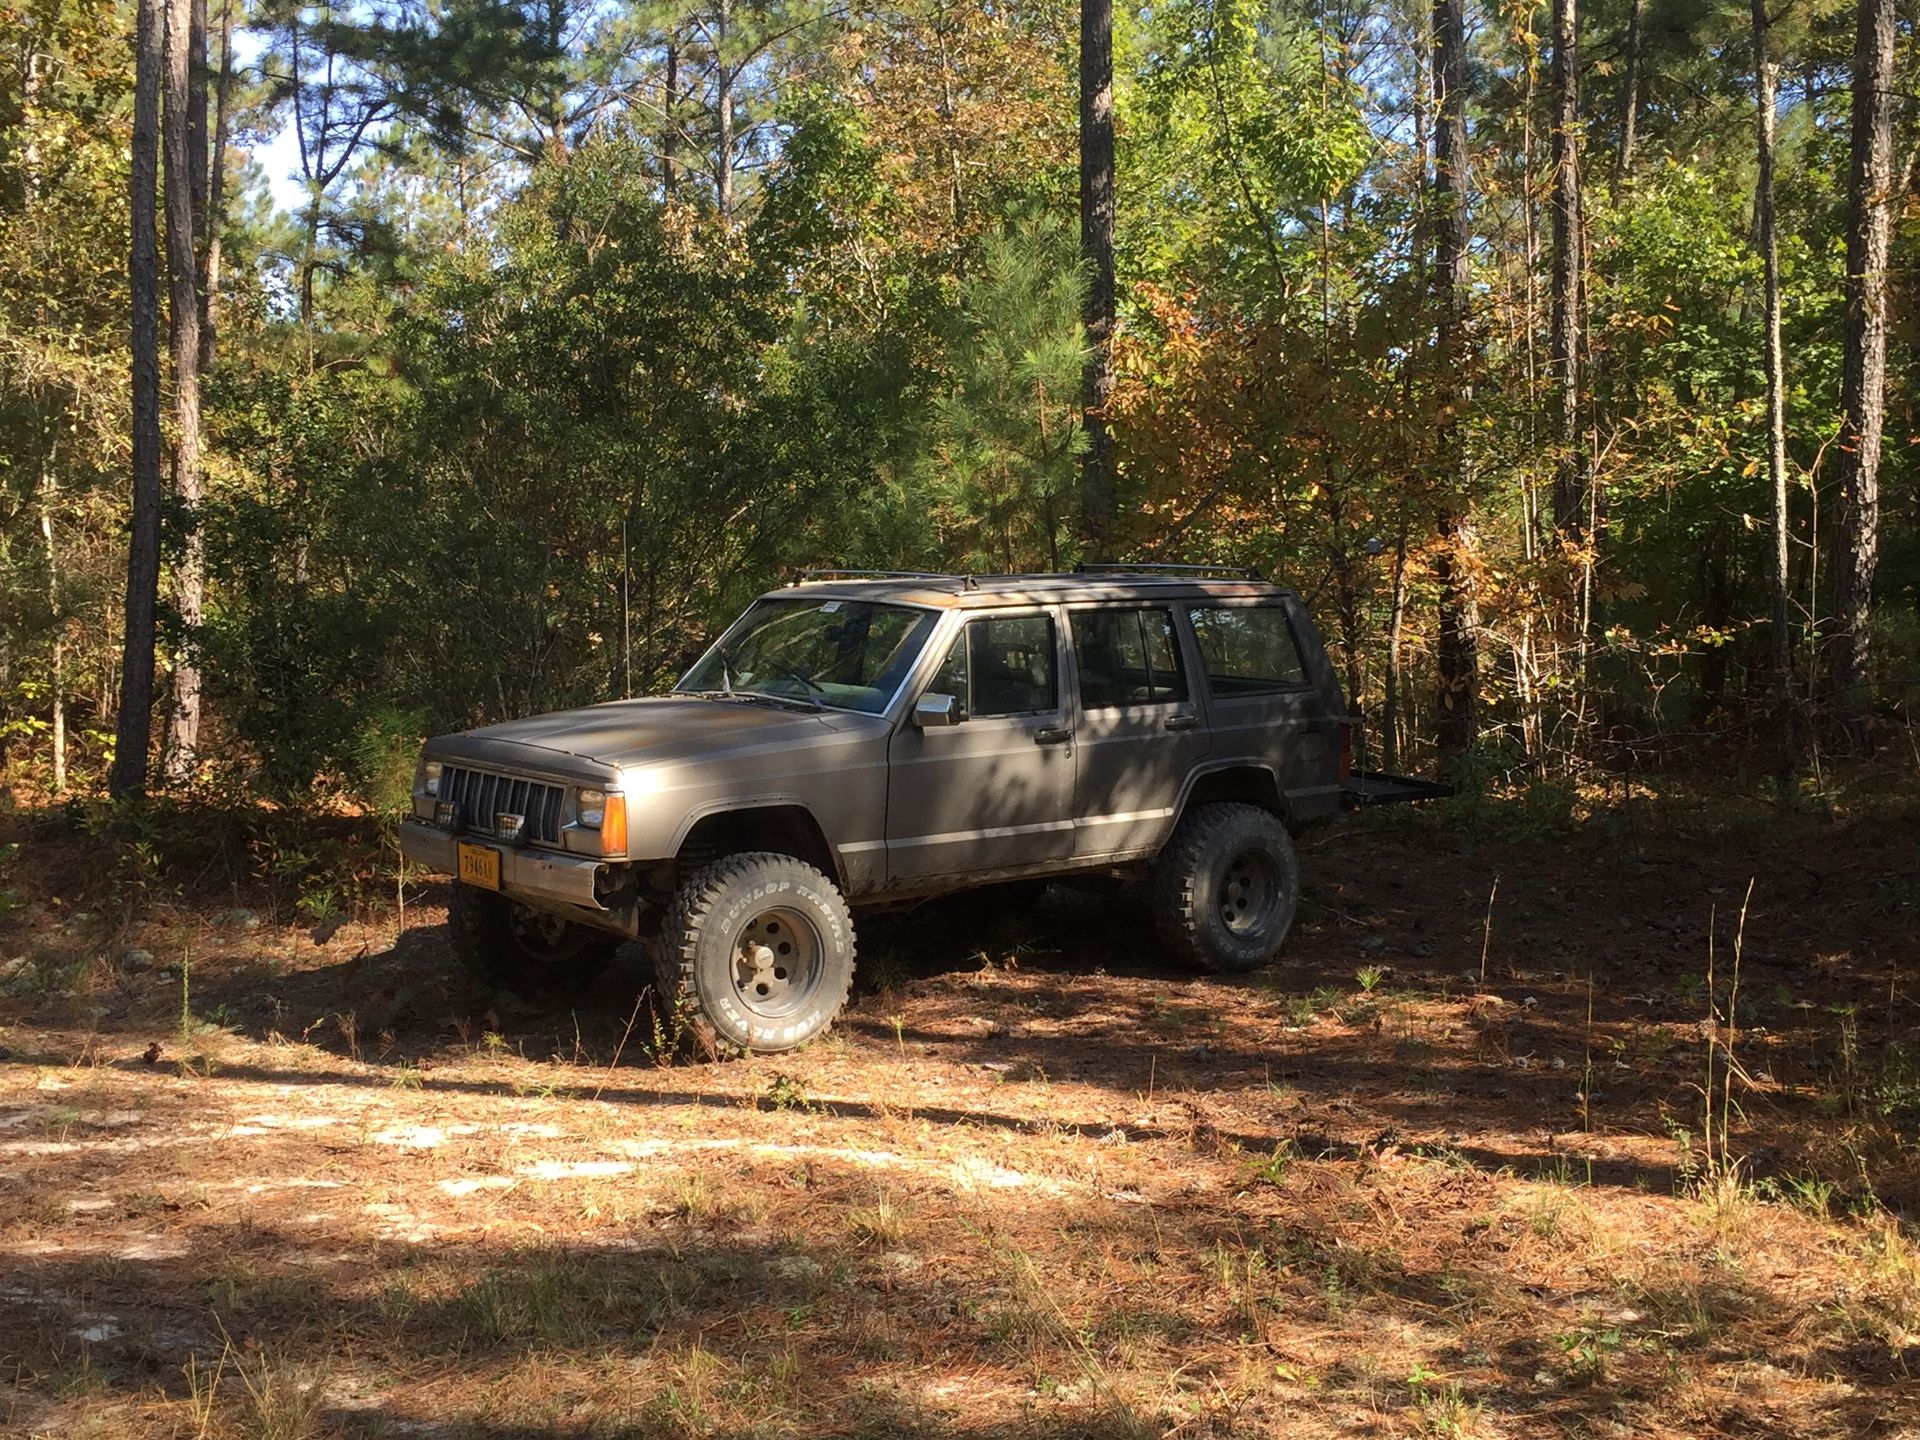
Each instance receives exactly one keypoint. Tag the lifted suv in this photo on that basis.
(858, 740)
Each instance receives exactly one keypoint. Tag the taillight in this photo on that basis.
(1346, 751)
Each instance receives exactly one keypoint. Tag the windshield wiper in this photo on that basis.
(806, 680)
(748, 697)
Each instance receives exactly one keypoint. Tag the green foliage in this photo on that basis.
(385, 752)
(1000, 447)
(511, 410)
(1237, 125)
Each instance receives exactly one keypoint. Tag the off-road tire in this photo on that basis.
(495, 938)
(1192, 888)
(742, 910)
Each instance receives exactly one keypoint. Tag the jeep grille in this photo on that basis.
(482, 795)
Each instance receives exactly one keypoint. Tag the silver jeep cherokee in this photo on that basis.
(858, 740)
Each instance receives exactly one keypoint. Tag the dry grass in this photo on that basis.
(1067, 1192)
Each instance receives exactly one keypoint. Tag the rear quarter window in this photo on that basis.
(1248, 649)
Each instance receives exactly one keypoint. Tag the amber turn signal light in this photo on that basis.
(613, 825)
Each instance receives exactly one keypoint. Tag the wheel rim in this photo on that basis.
(777, 963)
(541, 936)
(1249, 892)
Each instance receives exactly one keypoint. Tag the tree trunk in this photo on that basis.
(197, 89)
(216, 216)
(1786, 753)
(1396, 627)
(1099, 505)
(723, 162)
(135, 726)
(1422, 112)
(957, 197)
(1870, 194)
(1457, 650)
(551, 106)
(309, 263)
(670, 121)
(1630, 96)
(57, 652)
(1570, 467)
(182, 172)
(49, 486)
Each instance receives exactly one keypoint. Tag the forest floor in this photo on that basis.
(1445, 1170)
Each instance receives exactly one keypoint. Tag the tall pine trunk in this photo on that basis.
(723, 98)
(1870, 188)
(670, 120)
(185, 177)
(1099, 511)
(1396, 628)
(134, 729)
(1457, 655)
(1630, 96)
(1786, 753)
(215, 219)
(57, 652)
(1570, 467)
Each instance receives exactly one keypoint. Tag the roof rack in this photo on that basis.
(1229, 572)
(836, 573)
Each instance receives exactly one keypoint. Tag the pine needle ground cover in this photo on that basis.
(1492, 1153)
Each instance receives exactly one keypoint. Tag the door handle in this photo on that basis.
(1182, 722)
(1057, 736)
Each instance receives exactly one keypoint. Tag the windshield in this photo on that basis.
(847, 654)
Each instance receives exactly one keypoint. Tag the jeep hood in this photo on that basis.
(599, 739)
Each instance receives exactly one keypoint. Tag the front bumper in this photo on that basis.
(569, 885)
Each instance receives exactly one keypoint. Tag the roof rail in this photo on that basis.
(973, 580)
(837, 573)
(1230, 572)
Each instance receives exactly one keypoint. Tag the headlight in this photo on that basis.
(429, 777)
(606, 812)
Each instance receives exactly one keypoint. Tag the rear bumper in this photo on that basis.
(539, 877)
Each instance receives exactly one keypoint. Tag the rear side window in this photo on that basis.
(1248, 650)
(1127, 657)
(1002, 667)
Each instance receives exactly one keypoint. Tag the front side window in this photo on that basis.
(849, 654)
(1127, 657)
(1248, 650)
(1002, 666)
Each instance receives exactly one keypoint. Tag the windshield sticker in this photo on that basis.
(832, 607)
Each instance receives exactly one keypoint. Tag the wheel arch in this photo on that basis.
(1245, 782)
(786, 827)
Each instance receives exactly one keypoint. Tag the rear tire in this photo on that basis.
(756, 954)
(1224, 891)
(506, 943)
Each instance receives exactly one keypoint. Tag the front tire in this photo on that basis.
(1225, 889)
(507, 943)
(756, 954)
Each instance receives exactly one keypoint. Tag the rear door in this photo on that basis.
(1138, 728)
(994, 792)
(1263, 703)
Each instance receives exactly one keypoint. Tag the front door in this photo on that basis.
(1139, 731)
(994, 792)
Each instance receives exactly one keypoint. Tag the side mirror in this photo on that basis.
(934, 711)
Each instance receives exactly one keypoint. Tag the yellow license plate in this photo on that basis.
(480, 866)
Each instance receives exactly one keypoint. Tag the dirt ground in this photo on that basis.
(1451, 1168)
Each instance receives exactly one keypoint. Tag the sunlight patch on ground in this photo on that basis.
(574, 1169)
